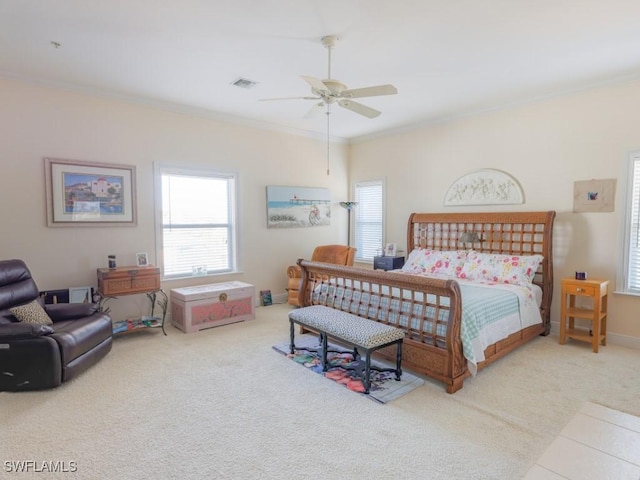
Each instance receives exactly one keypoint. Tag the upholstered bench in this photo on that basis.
(361, 333)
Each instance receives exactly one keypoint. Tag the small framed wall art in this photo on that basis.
(594, 195)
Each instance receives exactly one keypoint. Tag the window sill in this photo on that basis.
(628, 294)
(208, 275)
(363, 262)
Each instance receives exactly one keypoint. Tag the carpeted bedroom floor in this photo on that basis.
(222, 403)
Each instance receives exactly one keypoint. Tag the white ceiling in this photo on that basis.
(446, 57)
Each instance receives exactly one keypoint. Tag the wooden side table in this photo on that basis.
(595, 289)
(113, 282)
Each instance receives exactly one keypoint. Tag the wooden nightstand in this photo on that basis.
(387, 263)
(597, 291)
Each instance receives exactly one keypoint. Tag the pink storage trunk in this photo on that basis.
(207, 306)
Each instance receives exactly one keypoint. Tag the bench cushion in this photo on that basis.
(346, 326)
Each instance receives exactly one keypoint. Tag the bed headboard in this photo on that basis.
(513, 233)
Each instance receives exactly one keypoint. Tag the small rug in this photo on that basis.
(384, 386)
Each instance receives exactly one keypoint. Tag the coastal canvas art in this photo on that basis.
(289, 207)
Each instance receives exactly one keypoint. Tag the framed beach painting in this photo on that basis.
(289, 207)
(89, 194)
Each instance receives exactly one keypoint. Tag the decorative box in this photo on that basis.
(128, 280)
(207, 306)
(387, 263)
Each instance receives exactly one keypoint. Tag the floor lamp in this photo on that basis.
(349, 206)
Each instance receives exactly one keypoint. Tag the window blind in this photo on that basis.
(197, 228)
(632, 251)
(368, 219)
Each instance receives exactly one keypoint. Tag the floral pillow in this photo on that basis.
(422, 261)
(513, 269)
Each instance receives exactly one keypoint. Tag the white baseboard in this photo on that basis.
(612, 338)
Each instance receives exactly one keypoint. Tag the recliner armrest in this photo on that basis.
(294, 271)
(21, 330)
(70, 311)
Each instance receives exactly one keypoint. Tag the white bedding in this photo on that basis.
(529, 300)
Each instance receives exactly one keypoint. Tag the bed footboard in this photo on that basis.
(427, 309)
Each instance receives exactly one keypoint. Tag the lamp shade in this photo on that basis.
(348, 205)
(469, 237)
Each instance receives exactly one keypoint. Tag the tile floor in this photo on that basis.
(598, 443)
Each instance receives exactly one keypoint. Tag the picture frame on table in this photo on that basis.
(80, 295)
(390, 250)
(83, 193)
(142, 259)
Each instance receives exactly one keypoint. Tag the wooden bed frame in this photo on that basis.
(413, 302)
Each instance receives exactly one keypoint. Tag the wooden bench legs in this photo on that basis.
(366, 376)
(363, 371)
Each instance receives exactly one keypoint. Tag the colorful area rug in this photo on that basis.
(384, 386)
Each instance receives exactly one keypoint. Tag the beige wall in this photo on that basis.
(546, 146)
(38, 122)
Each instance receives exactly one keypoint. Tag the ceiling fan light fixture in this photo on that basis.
(330, 41)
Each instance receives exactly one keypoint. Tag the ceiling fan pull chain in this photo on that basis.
(328, 143)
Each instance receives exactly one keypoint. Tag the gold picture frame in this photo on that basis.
(89, 194)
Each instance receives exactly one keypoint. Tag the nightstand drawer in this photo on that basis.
(387, 263)
(584, 290)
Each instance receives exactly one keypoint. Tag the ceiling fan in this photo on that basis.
(331, 91)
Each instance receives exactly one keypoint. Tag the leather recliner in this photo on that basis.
(336, 254)
(34, 356)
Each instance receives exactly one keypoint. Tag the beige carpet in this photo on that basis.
(223, 404)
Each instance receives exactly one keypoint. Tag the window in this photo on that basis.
(630, 268)
(196, 233)
(369, 218)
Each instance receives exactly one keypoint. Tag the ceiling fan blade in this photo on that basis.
(370, 91)
(359, 108)
(315, 110)
(288, 98)
(315, 83)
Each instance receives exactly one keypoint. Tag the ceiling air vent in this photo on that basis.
(244, 83)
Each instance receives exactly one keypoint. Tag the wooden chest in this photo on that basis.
(207, 306)
(128, 280)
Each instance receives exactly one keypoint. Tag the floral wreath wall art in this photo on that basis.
(484, 187)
